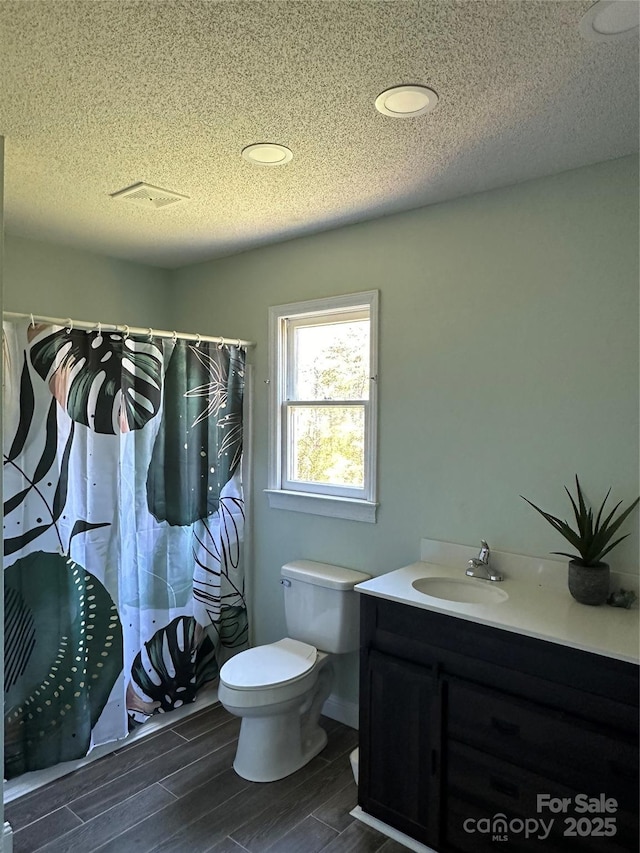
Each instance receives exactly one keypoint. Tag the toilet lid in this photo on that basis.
(268, 665)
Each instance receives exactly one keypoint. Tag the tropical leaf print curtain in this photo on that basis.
(123, 532)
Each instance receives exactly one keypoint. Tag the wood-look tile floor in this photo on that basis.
(176, 792)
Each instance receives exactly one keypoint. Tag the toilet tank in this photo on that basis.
(321, 606)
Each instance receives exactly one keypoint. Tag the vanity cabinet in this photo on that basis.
(461, 722)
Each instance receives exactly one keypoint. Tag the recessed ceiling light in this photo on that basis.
(611, 19)
(406, 101)
(267, 154)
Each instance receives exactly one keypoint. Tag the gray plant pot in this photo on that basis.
(589, 584)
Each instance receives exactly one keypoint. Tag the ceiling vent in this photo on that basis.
(146, 195)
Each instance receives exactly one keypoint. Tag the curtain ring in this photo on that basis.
(221, 342)
(125, 331)
(175, 336)
(150, 333)
(239, 344)
(69, 325)
(33, 322)
(99, 328)
(197, 339)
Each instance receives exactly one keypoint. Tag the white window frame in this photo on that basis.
(314, 498)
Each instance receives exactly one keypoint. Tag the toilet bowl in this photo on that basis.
(278, 691)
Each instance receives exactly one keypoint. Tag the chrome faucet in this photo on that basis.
(478, 567)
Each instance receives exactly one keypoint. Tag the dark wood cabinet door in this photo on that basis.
(399, 749)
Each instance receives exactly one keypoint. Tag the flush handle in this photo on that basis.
(285, 581)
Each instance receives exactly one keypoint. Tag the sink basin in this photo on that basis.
(467, 591)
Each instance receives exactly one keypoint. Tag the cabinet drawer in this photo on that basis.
(556, 745)
(493, 655)
(481, 786)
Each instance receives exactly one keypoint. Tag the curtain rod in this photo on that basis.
(129, 330)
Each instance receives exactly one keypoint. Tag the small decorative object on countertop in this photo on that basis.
(588, 575)
(622, 598)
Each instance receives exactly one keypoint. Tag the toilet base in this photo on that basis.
(274, 746)
(265, 755)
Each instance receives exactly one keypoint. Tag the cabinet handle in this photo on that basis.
(504, 726)
(504, 787)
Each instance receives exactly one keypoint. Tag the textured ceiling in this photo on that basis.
(96, 96)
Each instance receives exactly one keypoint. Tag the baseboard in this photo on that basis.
(342, 711)
(390, 832)
(7, 839)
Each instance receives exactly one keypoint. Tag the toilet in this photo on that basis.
(278, 690)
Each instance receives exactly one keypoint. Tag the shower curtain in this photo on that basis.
(123, 532)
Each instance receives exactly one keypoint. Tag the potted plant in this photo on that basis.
(588, 575)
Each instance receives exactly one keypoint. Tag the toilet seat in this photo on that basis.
(270, 665)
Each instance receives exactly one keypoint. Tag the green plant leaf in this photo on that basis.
(107, 381)
(82, 526)
(47, 459)
(576, 512)
(62, 658)
(172, 666)
(16, 543)
(561, 526)
(49, 453)
(604, 533)
(567, 554)
(60, 495)
(599, 516)
(608, 531)
(613, 545)
(607, 521)
(27, 408)
(581, 501)
(591, 540)
(198, 445)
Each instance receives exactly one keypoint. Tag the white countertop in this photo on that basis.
(533, 609)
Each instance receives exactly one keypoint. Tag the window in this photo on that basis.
(323, 406)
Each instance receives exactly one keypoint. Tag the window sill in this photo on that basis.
(328, 505)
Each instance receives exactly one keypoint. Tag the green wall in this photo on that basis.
(508, 362)
(58, 281)
(1, 421)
